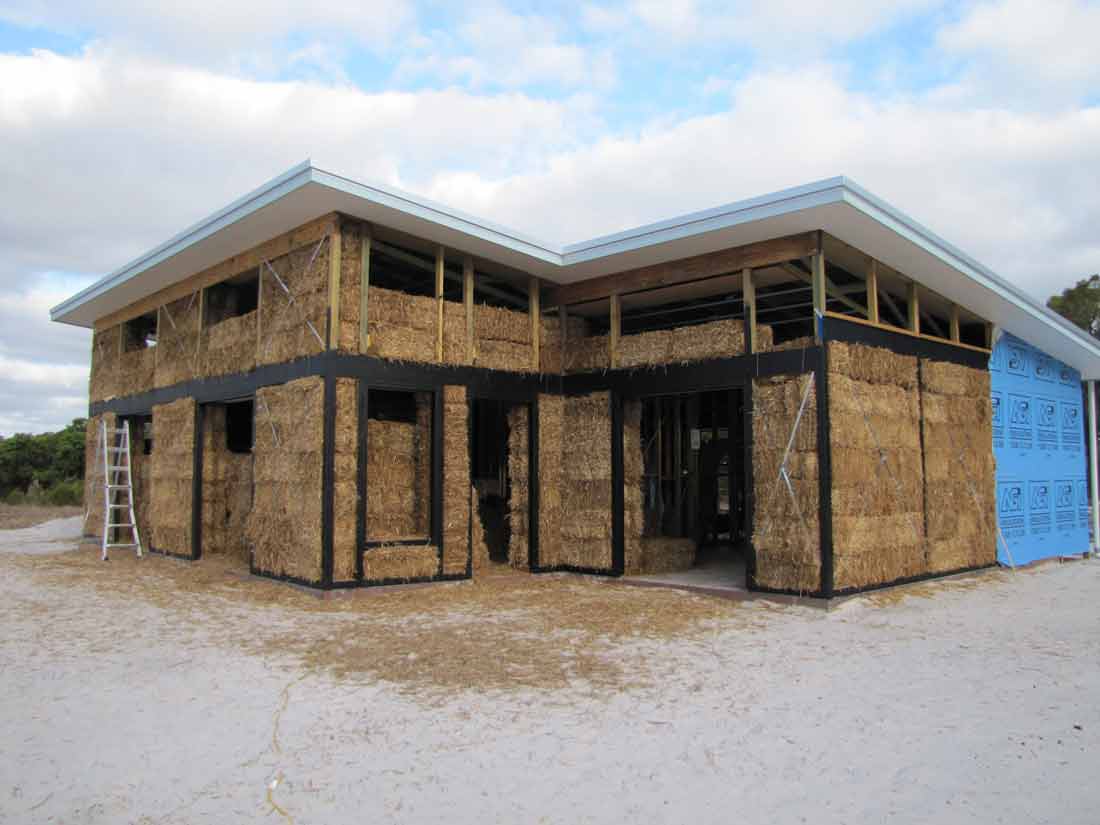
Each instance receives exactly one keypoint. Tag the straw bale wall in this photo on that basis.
(586, 483)
(142, 475)
(479, 548)
(351, 278)
(877, 477)
(229, 346)
(284, 332)
(397, 564)
(398, 480)
(137, 368)
(172, 476)
(403, 326)
(93, 475)
(551, 412)
(456, 481)
(503, 339)
(959, 470)
(785, 530)
(226, 490)
(178, 341)
(550, 344)
(103, 380)
(345, 490)
(519, 495)
(284, 525)
(454, 334)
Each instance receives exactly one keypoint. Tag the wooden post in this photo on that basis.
(988, 335)
(198, 342)
(364, 291)
(955, 323)
(872, 292)
(913, 299)
(817, 275)
(616, 328)
(748, 293)
(563, 325)
(535, 311)
(334, 265)
(439, 264)
(259, 311)
(468, 299)
(156, 349)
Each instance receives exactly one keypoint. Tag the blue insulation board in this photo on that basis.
(1039, 444)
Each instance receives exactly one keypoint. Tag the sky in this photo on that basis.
(122, 122)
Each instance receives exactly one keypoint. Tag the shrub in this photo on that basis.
(68, 493)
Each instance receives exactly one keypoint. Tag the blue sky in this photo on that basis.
(123, 121)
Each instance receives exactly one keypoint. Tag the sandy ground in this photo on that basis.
(18, 516)
(155, 691)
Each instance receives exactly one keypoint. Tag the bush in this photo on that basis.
(66, 493)
(16, 498)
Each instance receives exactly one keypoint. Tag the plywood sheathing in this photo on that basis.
(103, 380)
(226, 490)
(229, 346)
(93, 475)
(178, 341)
(877, 475)
(519, 474)
(456, 481)
(284, 526)
(285, 333)
(785, 529)
(346, 489)
(172, 477)
(960, 476)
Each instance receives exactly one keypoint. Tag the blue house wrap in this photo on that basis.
(1039, 445)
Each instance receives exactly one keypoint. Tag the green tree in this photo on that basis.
(1080, 304)
(51, 459)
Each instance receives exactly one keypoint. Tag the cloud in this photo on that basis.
(1043, 51)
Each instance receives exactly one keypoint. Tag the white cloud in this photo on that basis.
(1040, 50)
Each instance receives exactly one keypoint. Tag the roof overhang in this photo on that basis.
(837, 206)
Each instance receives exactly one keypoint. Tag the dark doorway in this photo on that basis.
(498, 473)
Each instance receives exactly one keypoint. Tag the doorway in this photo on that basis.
(499, 444)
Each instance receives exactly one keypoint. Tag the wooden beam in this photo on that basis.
(831, 289)
(198, 338)
(748, 293)
(364, 290)
(616, 330)
(563, 328)
(275, 248)
(955, 323)
(335, 265)
(817, 273)
(439, 273)
(259, 313)
(913, 299)
(535, 312)
(903, 331)
(156, 352)
(685, 270)
(468, 300)
(891, 305)
(989, 336)
(872, 292)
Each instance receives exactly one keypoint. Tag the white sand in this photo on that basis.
(974, 705)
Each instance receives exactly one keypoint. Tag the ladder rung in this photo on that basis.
(118, 430)
(120, 468)
(116, 449)
(119, 506)
(124, 544)
(118, 486)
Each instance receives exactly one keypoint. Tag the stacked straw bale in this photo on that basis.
(226, 490)
(229, 346)
(351, 277)
(178, 341)
(423, 479)
(93, 475)
(398, 479)
(454, 334)
(551, 411)
(142, 466)
(878, 481)
(456, 481)
(587, 353)
(285, 334)
(400, 563)
(959, 480)
(786, 533)
(503, 339)
(402, 326)
(586, 482)
(479, 548)
(172, 475)
(284, 525)
(345, 495)
(136, 369)
(103, 380)
(550, 347)
(519, 494)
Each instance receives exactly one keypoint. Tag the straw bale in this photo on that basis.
(351, 272)
(519, 494)
(395, 480)
(872, 365)
(944, 378)
(551, 410)
(456, 481)
(226, 490)
(505, 355)
(786, 533)
(136, 371)
(345, 499)
(454, 334)
(715, 339)
(172, 473)
(585, 527)
(764, 338)
(142, 474)
(103, 378)
(550, 350)
(229, 346)
(93, 476)
(803, 342)
(498, 324)
(400, 563)
(285, 333)
(178, 341)
(659, 554)
(479, 549)
(284, 525)
(646, 348)
(587, 354)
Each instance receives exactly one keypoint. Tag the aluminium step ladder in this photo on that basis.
(117, 483)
